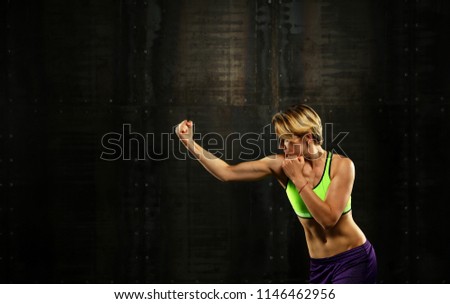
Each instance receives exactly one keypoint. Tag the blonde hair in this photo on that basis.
(298, 120)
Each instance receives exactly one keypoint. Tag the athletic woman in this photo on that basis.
(318, 184)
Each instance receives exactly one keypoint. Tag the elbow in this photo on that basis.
(330, 223)
(328, 226)
(225, 175)
(223, 179)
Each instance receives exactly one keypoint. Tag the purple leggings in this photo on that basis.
(354, 266)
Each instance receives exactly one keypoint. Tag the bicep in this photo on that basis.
(341, 187)
(251, 170)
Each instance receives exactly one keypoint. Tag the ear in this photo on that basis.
(308, 138)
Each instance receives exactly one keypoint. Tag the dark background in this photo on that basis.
(77, 70)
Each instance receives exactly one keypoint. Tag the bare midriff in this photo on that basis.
(323, 243)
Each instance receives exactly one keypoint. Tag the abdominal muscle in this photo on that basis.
(322, 243)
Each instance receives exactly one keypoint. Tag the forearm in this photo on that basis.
(320, 210)
(214, 165)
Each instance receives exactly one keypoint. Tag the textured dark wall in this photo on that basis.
(77, 70)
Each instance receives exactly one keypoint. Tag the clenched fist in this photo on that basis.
(293, 168)
(185, 131)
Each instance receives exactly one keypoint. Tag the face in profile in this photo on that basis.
(292, 146)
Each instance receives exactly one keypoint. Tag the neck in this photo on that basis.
(314, 154)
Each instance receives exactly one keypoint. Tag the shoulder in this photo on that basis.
(341, 165)
(274, 161)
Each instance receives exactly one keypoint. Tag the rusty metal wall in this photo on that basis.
(80, 70)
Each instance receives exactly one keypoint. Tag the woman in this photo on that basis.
(318, 184)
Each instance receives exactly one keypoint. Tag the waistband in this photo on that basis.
(360, 250)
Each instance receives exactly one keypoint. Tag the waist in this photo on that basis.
(363, 249)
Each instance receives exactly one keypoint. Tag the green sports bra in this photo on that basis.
(320, 189)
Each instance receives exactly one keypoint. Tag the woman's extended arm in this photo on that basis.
(245, 171)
